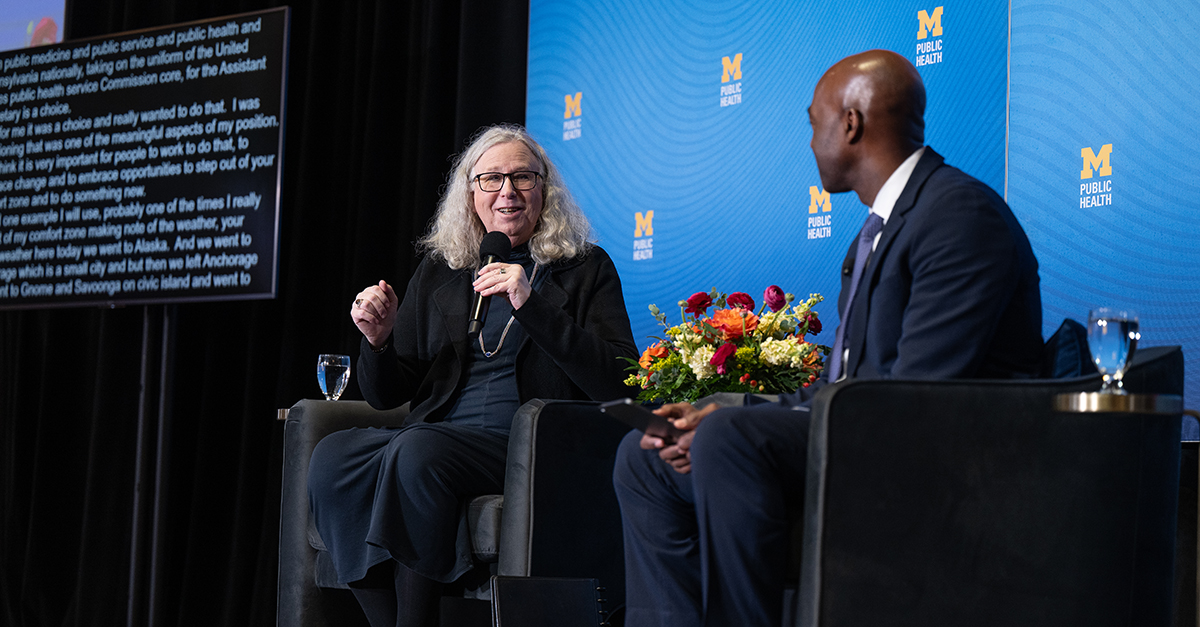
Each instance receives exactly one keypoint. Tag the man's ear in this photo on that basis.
(852, 125)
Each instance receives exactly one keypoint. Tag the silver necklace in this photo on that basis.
(508, 326)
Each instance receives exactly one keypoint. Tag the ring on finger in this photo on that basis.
(501, 270)
(358, 303)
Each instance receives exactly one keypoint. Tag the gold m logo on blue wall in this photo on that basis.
(1095, 161)
(731, 69)
(930, 24)
(645, 225)
(819, 199)
(574, 105)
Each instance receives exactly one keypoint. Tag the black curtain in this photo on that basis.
(139, 451)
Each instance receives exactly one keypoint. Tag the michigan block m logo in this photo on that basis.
(818, 199)
(1097, 161)
(930, 25)
(573, 105)
(731, 69)
(645, 225)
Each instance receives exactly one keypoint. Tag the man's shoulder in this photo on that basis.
(952, 202)
(946, 178)
(946, 193)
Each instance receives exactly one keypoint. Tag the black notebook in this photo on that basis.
(547, 602)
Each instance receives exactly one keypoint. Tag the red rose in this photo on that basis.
(698, 304)
(740, 299)
(774, 298)
(814, 324)
(721, 356)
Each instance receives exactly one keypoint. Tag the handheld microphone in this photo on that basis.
(494, 247)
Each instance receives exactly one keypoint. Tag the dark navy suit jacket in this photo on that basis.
(951, 290)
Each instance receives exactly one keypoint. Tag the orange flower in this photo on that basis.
(734, 322)
(658, 351)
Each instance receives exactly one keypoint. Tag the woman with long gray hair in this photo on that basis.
(386, 501)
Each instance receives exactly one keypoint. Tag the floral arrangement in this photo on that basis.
(733, 350)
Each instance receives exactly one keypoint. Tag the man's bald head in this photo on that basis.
(885, 87)
(868, 115)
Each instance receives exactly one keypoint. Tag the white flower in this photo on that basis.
(782, 353)
(698, 361)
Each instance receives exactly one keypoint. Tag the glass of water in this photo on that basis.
(1112, 337)
(333, 373)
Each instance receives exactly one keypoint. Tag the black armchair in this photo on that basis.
(976, 503)
(558, 516)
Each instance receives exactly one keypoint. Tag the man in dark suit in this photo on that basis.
(940, 283)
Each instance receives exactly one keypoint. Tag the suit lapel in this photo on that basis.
(929, 162)
(847, 273)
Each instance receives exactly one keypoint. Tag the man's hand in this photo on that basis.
(685, 417)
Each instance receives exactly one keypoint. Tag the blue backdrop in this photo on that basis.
(1103, 160)
(681, 129)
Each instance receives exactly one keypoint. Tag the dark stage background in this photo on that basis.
(176, 523)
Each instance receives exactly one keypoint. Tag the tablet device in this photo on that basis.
(638, 417)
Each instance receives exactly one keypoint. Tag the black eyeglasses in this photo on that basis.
(494, 181)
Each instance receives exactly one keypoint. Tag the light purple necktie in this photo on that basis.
(866, 239)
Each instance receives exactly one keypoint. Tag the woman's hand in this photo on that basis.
(507, 279)
(374, 312)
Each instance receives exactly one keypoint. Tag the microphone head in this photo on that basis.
(495, 244)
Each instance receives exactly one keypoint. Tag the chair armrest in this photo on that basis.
(308, 421)
(561, 517)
